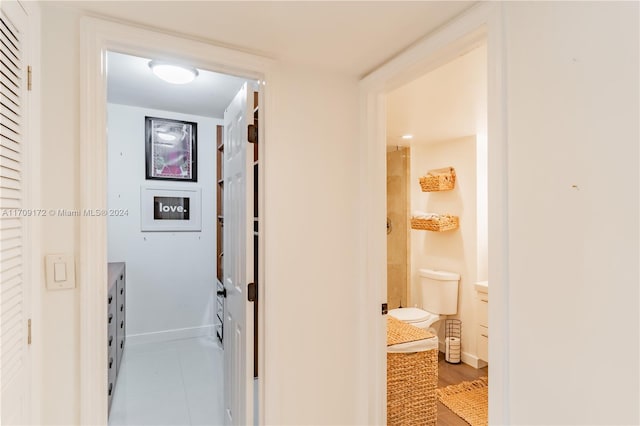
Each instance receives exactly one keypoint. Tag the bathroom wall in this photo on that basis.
(170, 275)
(398, 262)
(455, 250)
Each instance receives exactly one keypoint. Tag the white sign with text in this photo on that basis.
(169, 209)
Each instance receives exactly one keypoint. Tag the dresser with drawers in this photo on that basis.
(116, 312)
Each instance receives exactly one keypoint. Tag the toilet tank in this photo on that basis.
(439, 291)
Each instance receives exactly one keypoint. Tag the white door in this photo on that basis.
(238, 261)
(14, 306)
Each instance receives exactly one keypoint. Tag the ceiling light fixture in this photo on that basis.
(166, 136)
(175, 74)
(407, 136)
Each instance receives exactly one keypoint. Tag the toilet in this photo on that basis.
(439, 297)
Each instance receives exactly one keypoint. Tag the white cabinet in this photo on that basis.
(483, 322)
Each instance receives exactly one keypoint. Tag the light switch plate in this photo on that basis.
(65, 266)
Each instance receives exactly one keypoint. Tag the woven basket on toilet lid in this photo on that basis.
(401, 332)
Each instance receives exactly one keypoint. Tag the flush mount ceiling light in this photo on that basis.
(166, 136)
(406, 137)
(175, 74)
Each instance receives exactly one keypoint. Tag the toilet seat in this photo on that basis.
(414, 316)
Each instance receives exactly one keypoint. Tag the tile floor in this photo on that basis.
(179, 382)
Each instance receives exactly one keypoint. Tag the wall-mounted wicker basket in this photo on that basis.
(445, 222)
(438, 180)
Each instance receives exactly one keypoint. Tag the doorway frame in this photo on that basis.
(97, 37)
(482, 23)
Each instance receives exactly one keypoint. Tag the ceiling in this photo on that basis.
(131, 82)
(446, 103)
(352, 38)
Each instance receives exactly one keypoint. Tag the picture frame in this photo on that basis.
(171, 149)
(170, 209)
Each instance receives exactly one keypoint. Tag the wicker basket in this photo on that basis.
(438, 180)
(412, 379)
(445, 222)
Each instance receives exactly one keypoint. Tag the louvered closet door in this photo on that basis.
(13, 299)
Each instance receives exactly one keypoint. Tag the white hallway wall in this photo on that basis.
(573, 108)
(170, 275)
(311, 212)
(567, 121)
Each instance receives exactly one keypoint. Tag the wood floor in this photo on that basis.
(450, 374)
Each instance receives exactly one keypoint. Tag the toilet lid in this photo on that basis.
(410, 314)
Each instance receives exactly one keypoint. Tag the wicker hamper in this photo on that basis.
(412, 378)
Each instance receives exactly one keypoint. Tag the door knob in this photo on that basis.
(222, 292)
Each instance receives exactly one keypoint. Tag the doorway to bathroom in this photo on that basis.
(437, 224)
(480, 26)
(437, 184)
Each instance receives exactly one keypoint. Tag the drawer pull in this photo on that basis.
(121, 277)
(122, 324)
(110, 388)
(122, 290)
(121, 344)
(110, 362)
(484, 300)
(110, 340)
(110, 318)
(484, 335)
(122, 308)
(110, 298)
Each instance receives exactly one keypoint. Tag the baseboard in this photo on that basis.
(166, 335)
(466, 357)
(473, 360)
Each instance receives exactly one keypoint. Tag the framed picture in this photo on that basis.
(169, 209)
(171, 149)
